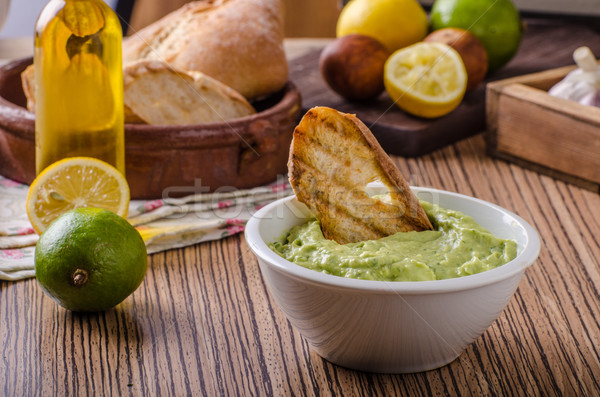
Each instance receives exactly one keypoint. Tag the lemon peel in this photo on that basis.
(426, 79)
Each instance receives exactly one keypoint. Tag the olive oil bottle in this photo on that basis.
(79, 83)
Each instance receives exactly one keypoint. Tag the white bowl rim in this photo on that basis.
(518, 265)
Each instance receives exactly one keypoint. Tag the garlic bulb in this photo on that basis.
(591, 99)
(582, 84)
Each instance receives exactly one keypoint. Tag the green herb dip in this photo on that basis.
(457, 247)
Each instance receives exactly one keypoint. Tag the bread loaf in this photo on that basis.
(238, 42)
(160, 95)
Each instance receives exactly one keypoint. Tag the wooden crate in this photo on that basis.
(554, 136)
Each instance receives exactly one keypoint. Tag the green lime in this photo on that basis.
(495, 22)
(90, 259)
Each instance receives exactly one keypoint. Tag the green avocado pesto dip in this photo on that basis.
(457, 247)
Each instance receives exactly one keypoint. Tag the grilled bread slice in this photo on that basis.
(161, 95)
(28, 82)
(333, 157)
(157, 94)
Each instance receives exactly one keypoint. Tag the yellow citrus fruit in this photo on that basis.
(90, 259)
(72, 183)
(426, 79)
(394, 23)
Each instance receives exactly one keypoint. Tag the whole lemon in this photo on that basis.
(394, 23)
(496, 23)
(90, 259)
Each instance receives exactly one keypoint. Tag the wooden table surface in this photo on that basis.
(203, 323)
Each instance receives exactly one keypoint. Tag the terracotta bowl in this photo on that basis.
(168, 161)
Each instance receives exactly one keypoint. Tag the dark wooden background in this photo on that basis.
(547, 44)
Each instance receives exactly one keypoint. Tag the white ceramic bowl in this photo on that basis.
(391, 327)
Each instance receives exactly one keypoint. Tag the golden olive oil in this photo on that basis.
(79, 83)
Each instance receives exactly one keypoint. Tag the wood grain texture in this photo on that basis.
(552, 135)
(550, 132)
(545, 45)
(308, 18)
(203, 323)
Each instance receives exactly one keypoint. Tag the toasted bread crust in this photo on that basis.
(238, 42)
(28, 82)
(161, 95)
(333, 157)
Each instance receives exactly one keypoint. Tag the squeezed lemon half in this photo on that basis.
(426, 79)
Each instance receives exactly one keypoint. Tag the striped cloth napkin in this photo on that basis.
(163, 223)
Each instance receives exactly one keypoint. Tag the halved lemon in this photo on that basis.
(426, 79)
(72, 183)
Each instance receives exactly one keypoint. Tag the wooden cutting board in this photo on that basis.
(546, 45)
